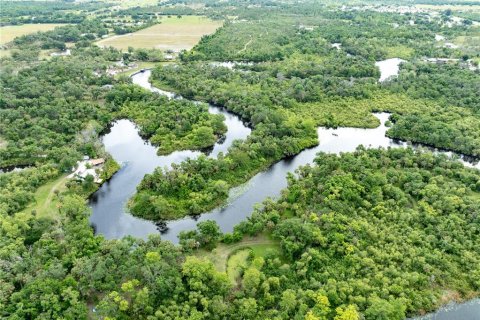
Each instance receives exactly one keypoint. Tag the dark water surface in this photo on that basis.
(469, 310)
(138, 157)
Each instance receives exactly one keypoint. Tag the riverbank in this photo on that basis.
(462, 310)
(113, 221)
(140, 157)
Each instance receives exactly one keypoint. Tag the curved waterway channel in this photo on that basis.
(138, 157)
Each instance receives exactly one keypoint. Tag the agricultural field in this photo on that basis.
(8, 33)
(171, 34)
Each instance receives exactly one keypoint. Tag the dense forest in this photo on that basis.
(293, 70)
(372, 234)
(379, 233)
(16, 12)
(170, 124)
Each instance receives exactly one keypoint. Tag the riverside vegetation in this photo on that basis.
(299, 81)
(373, 234)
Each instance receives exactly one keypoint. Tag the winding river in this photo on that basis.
(138, 157)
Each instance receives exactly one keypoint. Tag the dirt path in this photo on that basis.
(246, 45)
(51, 193)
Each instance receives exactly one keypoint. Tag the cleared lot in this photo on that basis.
(8, 33)
(172, 33)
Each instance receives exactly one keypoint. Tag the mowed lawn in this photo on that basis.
(171, 34)
(8, 33)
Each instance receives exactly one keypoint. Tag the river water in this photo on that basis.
(469, 310)
(138, 157)
(388, 68)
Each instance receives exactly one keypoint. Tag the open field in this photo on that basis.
(8, 33)
(171, 34)
(467, 41)
(43, 54)
(45, 198)
(4, 53)
(220, 255)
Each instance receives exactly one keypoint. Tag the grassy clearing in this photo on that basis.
(402, 52)
(3, 143)
(224, 252)
(237, 263)
(42, 55)
(8, 33)
(171, 34)
(469, 41)
(4, 53)
(45, 203)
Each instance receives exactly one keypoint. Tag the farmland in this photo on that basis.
(8, 33)
(171, 34)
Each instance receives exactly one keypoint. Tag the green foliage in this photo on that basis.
(16, 13)
(87, 30)
(18, 187)
(170, 124)
(454, 124)
(377, 234)
(109, 169)
(206, 236)
(386, 230)
(45, 107)
(300, 81)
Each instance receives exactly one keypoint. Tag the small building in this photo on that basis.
(97, 162)
(88, 167)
